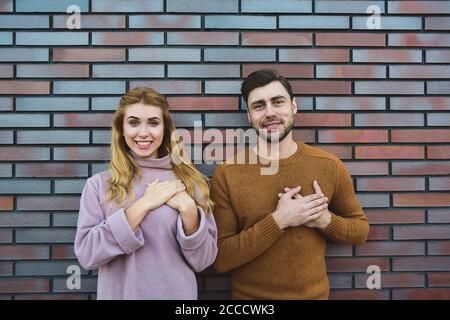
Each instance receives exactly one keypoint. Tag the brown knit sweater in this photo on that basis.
(265, 261)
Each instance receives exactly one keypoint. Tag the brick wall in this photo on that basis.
(378, 99)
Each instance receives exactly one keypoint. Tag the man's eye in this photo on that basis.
(279, 101)
(257, 106)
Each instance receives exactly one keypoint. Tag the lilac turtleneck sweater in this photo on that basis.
(158, 260)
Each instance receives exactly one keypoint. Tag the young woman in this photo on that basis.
(146, 223)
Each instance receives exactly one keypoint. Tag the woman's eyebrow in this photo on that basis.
(133, 117)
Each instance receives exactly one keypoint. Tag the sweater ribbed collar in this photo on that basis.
(162, 163)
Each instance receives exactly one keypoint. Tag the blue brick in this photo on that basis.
(314, 22)
(6, 137)
(22, 54)
(240, 22)
(105, 103)
(52, 137)
(128, 71)
(270, 6)
(52, 38)
(24, 120)
(65, 219)
(50, 5)
(226, 120)
(438, 119)
(223, 87)
(410, 23)
(25, 187)
(99, 167)
(127, 6)
(52, 104)
(6, 104)
(89, 87)
(186, 119)
(203, 71)
(438, 87)
(72, 186)
(333, 6)
(24, 21)
(238, 54)
(202, 6)
(5, 170)
(102, 136)
(164, 21)
(5, 38)
(164, 54)
(25, 219)
(43, 268)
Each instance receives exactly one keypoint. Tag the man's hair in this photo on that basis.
(261, 78)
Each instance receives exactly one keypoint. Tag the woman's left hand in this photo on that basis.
(181, 201)
(187, 207)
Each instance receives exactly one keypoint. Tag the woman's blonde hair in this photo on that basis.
(123, 167)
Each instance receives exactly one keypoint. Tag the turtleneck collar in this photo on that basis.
(162, 163)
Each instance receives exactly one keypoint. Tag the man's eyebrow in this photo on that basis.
(133, 117)
(257, 101)
(277, 97)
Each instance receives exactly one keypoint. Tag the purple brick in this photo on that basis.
(52, 38)
(333, 6)
(24, 153)
(53, 137)
(208, 6)
(373, 200)
(89, 87)
(6, 269)
(437, 23)
(39, 235)
(26, 219)
(438, 119)
(128, 6)
(269, 6)
(203, 71)
(350, 103)
(437, 56)
(389, 119)
(16, 21)
(51, 170)
(127, 38)
(6, 71)
(92, 21)
(52, 104)
(164, 54)
(240, 22)
(128, 71)
(52, 71)
(81, 153)
(23, 54)
(164, 21)
(24, 120)
(170, 86)
(418, 39)
(389, 87)
(438, 87)
(6, 6)
(203, 38)
(48, 203)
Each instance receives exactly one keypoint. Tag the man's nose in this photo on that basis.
(270, 111)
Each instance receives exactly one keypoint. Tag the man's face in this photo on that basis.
(271, 111)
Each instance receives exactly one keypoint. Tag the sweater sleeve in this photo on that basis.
(99, 240)
(199, 249)
(238, 247)
(348, 223)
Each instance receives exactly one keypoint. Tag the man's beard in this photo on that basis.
(276, 136)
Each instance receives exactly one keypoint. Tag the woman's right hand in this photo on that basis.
(158, 193)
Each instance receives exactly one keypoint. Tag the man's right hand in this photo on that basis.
(294, 212)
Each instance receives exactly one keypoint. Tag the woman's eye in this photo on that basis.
(133, 124)
(154, 124)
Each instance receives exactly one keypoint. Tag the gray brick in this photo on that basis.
(89, 87)
(333, 6)
(45, 268)
(170, 86)
(6, 137)
(239, 54)
(5, 170)
(99, 167)
(24, 120)
(164, 21)
(72, 186)
(269, 6)
(438, 87)
(163, 54)
(314, 22)
(102, 136)
(6, 269)
(52, 38)
(105, 103)
(40, 235)
(65, 219)
(25, 186)
(240, 22)
(53, 137)
(6, 103)
(203, 71)
(183, 119)
(373, 200)
(52, 104)
(389, 23)
(226, 120)
(88, 284)
(202, 6)
(438, 119)
(24, 219)
(48, 203)
(223, 87)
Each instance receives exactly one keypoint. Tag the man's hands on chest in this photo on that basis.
(295, 210)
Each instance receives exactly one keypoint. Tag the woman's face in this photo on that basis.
(143, 129)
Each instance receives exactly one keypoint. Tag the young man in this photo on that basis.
(272, 229)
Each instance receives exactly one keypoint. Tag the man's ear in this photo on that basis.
(294, 105)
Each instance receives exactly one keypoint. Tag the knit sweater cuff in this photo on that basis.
(269, 228)
(128, 240)
(336, 226)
